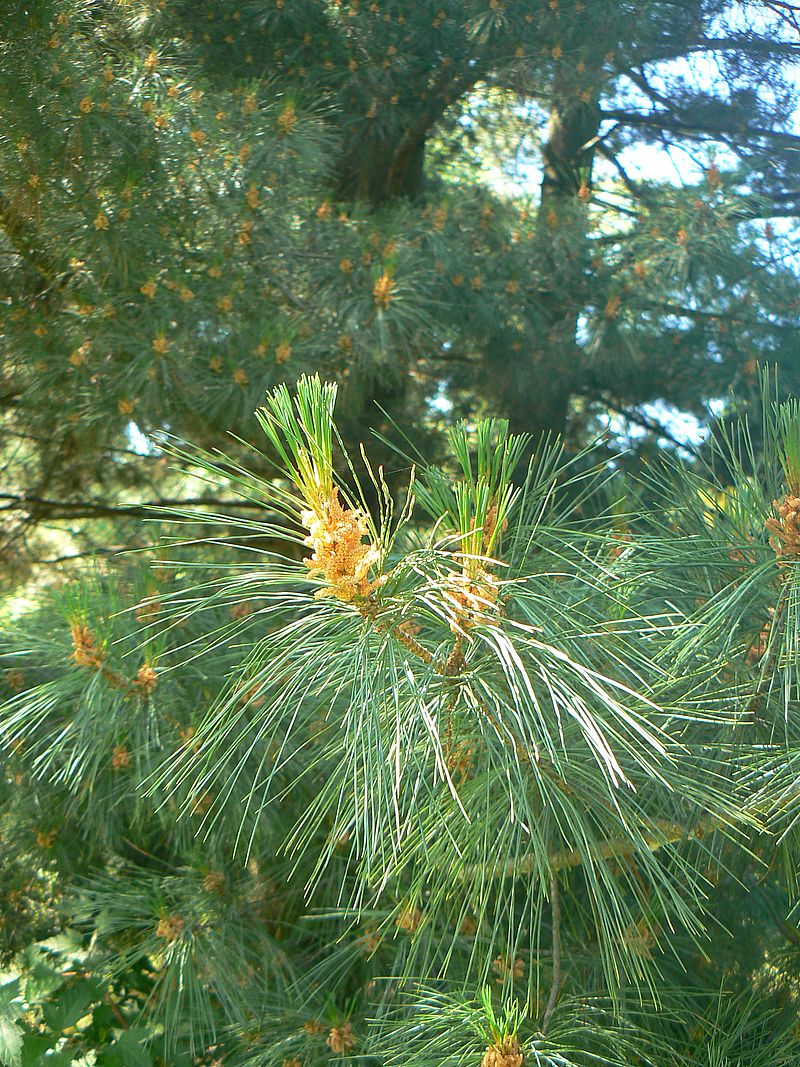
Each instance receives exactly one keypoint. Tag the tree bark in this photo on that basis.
(379, 171)
(382, 169)
(537, 386)
(21, 238)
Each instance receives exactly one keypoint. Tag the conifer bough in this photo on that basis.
(469, 776)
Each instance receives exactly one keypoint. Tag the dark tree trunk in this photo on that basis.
(379, 171)
(537, 386)
(44, 268)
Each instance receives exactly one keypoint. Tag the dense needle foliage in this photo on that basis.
(444, 711)
(502, 772)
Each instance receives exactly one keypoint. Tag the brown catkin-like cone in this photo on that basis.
(170, 927)
(785, 530)
(214, 882)
(146, 679)
(341, 1039)
(84, 650)
(340, 554)
(505, 1054)
(120, 758)
(409, 919)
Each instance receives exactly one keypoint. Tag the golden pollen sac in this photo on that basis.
(214, 882)
(84, 650)
(120, 758)
(340, 555)
(170, 927)
(341, 1039)
(505, 1053)
(384, 290)
(784, 530)
(409, 919)
(146, 679)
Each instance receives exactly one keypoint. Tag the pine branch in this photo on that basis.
(664, 832)
(555, 988)
(107, 450)
(667, 121)
(89, 509)
(651, 425)
(760, 45)
(668, 50)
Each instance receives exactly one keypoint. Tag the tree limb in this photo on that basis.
(555, 988)
(664, 120)
(663, 832)
(87, 509)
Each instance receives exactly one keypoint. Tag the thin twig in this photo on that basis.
(100, 550)
(658, 834)
(652, 426)
(753, 706)
(369, 611)
(555, 987)
(83, 509)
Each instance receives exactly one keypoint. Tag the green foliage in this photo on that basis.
(470, 745)
(489, 780)
(420, 200)
(57, 1011)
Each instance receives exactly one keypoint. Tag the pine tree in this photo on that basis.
(449, 744)
(200, 200)
(501, 772)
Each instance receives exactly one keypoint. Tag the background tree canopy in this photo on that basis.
(469, 203)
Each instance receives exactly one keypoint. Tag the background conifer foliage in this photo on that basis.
(412, 732)
(198, 200)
